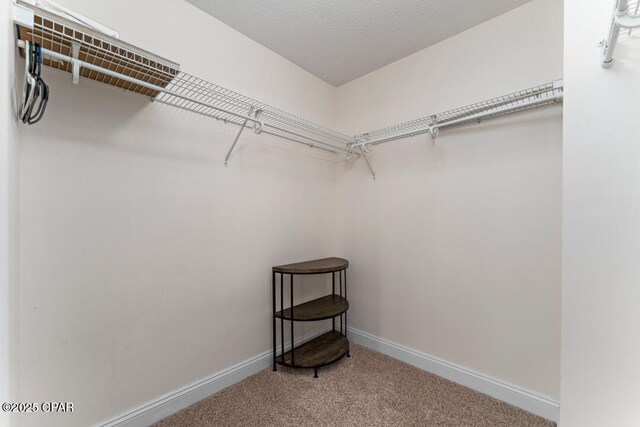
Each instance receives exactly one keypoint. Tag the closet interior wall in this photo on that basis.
(8, 207)
(601, 227)
(144, 262)
(455, 248)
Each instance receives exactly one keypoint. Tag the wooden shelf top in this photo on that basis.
(324, 265)
(320, 351)
(318, 309)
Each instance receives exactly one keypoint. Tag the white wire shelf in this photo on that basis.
(101, 58)
(73, 40)
(538, 96)
(626, 19)
(223, 104)
(78, 50)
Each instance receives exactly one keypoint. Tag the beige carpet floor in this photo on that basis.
(368, 389)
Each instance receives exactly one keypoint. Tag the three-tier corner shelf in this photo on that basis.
(328, 347)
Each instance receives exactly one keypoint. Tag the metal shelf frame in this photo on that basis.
(626, 18)
(84, 53)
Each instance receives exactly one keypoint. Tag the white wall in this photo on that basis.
(601, 225)
(455, 248)
(145, 264)
(8, 208)
(140, 254)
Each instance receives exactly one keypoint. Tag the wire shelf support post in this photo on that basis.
(256, 129)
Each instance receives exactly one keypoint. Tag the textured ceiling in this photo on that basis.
(340, 40)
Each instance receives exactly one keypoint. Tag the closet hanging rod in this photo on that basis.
(192, 99)
(81, 51)
(470, 119)
(267, 128)
(538, 96)
(508, 110)
(274, 118)
(208, 102)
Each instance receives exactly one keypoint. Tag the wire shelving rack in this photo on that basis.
(222, 103)
(537, 96)
(79, 50)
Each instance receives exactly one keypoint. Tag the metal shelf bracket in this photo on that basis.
(433, 127)
(257, 128)
(22, 16)
(350, 154)
(258, 125)
(75, 57)
(364, 149)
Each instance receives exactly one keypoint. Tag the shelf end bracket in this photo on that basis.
(23, 17)
(433, 128)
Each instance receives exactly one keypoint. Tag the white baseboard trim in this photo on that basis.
(176, 400)
(181, 398)
(516, 396)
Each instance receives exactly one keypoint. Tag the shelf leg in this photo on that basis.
(275, 344)
(282, 318)
(340, 275)
(345, 313)
(333, 283)
(293, 340)
(333, 291)
(315, 375)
